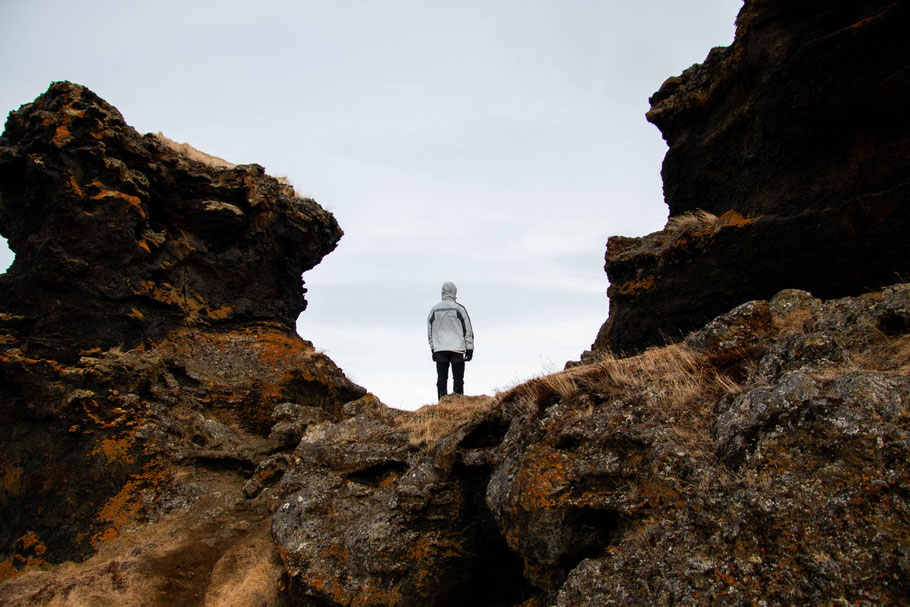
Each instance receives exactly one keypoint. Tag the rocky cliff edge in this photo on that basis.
(146, 329)
(762, 458)
(788, 167)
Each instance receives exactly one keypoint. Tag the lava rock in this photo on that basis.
(793, 148)
(146, 326)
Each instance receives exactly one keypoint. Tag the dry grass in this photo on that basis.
(674, 374)
(676, 385)
(194, 154)
(691, 221)
(248, 575)
(200, 156)
(188, 557)
(900, 354)
(801, 320)
(888, 354)
(431, 423)
(672, 387)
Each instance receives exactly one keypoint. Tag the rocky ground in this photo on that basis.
(764, 460)
(167, 439)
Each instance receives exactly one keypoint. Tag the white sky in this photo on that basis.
(493, 143)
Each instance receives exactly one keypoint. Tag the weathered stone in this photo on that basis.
(293, 421)
(766, 487)
(365, 404)
(739, 421)
(146, 325)
(267, 473)
(763, 461)
(734, 333)
(795, 139)
(120, 239)
(366, 518)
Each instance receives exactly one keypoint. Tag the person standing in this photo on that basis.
(451, 340)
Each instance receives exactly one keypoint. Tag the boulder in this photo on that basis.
(774, 476)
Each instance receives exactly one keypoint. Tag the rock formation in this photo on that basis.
(119, 239)
(165, 430)
(795, 145)
(367, 518)
(146, 325)
(763, 460)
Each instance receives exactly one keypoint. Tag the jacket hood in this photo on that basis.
(449, 290)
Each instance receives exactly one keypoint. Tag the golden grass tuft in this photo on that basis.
(677, 373)
(194, 154)
(674, 386)
(431, 423)
(200, 156)
(691, 221)
(247, 576)
(796, 322)
(889, 354)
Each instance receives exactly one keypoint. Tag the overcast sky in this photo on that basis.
(493, 143)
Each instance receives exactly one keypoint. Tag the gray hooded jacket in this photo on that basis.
(448, 325)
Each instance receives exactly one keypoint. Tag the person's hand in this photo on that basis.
(468, 355)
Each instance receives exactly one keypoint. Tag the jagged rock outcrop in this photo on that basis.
(146, 328)
(795, 139)
(789, 489)
(163, 425)
(367, 518)
(764, 460)
(120, 239)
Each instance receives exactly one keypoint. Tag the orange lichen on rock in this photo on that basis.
(74, 185)
(125, 506)
(634, 288)
(133, 201)
(28, 553)
(544, 479)
(735, 219)
(247, 372)
(117, 449)
(62, 136)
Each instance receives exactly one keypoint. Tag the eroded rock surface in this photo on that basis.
(120, 239)
(162, 424)
(764, 460)
(794, 490)
(146, 326)
(795, 140)
(366, 518)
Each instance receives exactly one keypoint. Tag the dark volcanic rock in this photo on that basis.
(120, 239)
(151, 384)
(368, 519)
(806, 502)
(797, 138)
(766, 460)
(146, 327)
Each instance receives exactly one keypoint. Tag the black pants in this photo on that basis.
(443, 360)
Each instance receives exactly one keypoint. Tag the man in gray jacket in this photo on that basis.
(451, 340)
